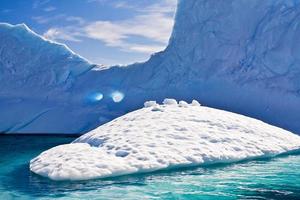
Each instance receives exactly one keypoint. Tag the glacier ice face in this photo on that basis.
(237, 55)
(36, 79)
(146, 140)
(26, 56)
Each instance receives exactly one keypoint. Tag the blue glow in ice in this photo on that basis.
(117, 96)
(95, 97)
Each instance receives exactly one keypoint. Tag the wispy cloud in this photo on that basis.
(57, 34)
(154, 26)
(165, 6)
(39, 3)
(143, 48)
(49, 9)
(96, 1)
(77, 20)
(48, 19)
(154, 23)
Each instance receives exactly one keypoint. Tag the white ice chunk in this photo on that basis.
(183, 104)
(195, 103)
(148, 104)
(170, 102)
(145, 141)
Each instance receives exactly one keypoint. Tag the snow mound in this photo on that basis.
(183, 104)
(195, 103)
(146, 141)
(148, 104)
(170, 102)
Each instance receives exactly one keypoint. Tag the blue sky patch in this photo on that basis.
(103, 31)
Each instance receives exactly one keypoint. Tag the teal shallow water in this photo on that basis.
(277, 178)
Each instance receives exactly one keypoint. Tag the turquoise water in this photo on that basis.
(277, 178)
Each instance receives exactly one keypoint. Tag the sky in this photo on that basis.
(103, 31)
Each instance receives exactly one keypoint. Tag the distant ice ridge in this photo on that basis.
(237, 55)
(174, 136)
(36, 78)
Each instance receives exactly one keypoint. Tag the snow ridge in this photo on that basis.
(161, 137)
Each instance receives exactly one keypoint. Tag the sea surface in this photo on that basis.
(276, 178)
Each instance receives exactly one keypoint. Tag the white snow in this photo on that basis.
(157, 108)
(183, 104)
(148, 104)
(146, 140)
(195, 103)
(170, 102)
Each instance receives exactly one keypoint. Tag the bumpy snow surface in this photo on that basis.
(161, 137)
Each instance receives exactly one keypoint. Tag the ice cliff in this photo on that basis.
(238, 55)
(36, 76)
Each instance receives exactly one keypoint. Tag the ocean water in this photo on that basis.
(277, 178)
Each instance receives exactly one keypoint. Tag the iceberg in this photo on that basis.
(237, 55)
(174, 136)
(36, 82)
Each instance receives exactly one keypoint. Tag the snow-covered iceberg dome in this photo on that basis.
(162, 137)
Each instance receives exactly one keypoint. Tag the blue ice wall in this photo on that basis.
(237, 55)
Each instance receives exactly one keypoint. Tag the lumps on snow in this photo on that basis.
(183, 104)
(170, 102)
(156, 107)
(195, 103)
(153, 105)
(148, 104)
(180, 136)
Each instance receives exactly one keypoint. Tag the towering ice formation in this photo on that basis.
(163, 137)
(238, 55)
(36, 78)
